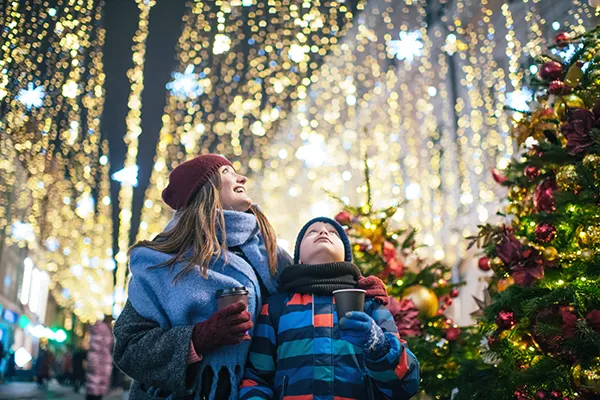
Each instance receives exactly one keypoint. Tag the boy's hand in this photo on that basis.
(359, 329)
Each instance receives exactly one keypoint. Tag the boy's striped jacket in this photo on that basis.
(300, 355)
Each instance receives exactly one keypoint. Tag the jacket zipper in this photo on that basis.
(283, 387)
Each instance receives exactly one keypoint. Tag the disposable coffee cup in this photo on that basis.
(347, 300)
(227, 297)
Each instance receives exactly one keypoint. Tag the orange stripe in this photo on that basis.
(302, 397)
(300, 300)
(264, 310)
(342, 398)
(248, 383)
(324, 321)
(402, 367)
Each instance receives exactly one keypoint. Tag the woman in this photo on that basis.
(170, 337)
(217, 240)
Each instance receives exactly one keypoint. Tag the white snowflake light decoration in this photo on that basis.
(407, 47)
(519, 99)
(185, 85)
(32, 96)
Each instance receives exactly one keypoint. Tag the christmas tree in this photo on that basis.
(419, 293)
(542, 327)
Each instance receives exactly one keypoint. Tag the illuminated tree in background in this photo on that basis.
(543, 331)
(419, 293)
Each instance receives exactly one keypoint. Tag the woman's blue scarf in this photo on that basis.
(192, 299)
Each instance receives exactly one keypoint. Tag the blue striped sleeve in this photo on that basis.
(397, 374)
(257, 383)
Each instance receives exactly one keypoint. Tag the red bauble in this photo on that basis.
(532, 172)
(505, 320)
(558, 87)
(498, 177)
(454, 293)
(562, 39)
(520, 395)
(344, 218)
(449, 301)
(452, 333)
(545, 232)
(556, 395)
(541, 395)
(551, 71)
(484, 264)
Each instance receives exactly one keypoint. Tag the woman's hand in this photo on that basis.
(375, 288)
(226, 327)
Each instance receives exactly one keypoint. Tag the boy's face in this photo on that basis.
(321, 244)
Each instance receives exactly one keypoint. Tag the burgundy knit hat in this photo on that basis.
(187, 178)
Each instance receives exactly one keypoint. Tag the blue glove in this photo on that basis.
(359, 329)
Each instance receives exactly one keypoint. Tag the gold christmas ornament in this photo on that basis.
(567, 178)
(550, 253)
(425, 300)
(586, 376)
(517, 193)
(588, 235)
(592, 162)
(570, 101)
(513, 209)
(587, 254)
(496, 263)
(574, 76)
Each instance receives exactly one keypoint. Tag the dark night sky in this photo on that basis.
(120, 21)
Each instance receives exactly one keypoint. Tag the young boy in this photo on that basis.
(300, 351)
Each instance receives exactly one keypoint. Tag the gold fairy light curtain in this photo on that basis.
(54, 195)
(388, 90)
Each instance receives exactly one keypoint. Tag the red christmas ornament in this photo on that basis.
(520, 395)
(541, 395)
(558, 87)
(498, 177)
(545, 232)
(551, 71)
(449, 301)
(484, 264)
(454, 293)
(505, 320)
(452, 333)
(344, 218)
(556, 395)
(543, 198)
(532, 172)
(562, 39)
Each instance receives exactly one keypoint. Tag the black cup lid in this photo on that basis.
(232, 292)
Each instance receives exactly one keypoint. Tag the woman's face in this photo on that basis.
(233, 190)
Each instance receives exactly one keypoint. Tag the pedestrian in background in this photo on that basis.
(99, 359)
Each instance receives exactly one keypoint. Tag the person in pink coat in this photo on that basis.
(99, 360)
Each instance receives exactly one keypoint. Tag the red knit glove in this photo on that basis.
(375, 288)
(227, 326)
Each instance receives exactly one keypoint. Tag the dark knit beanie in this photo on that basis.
(340, 230)
(188, 177)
